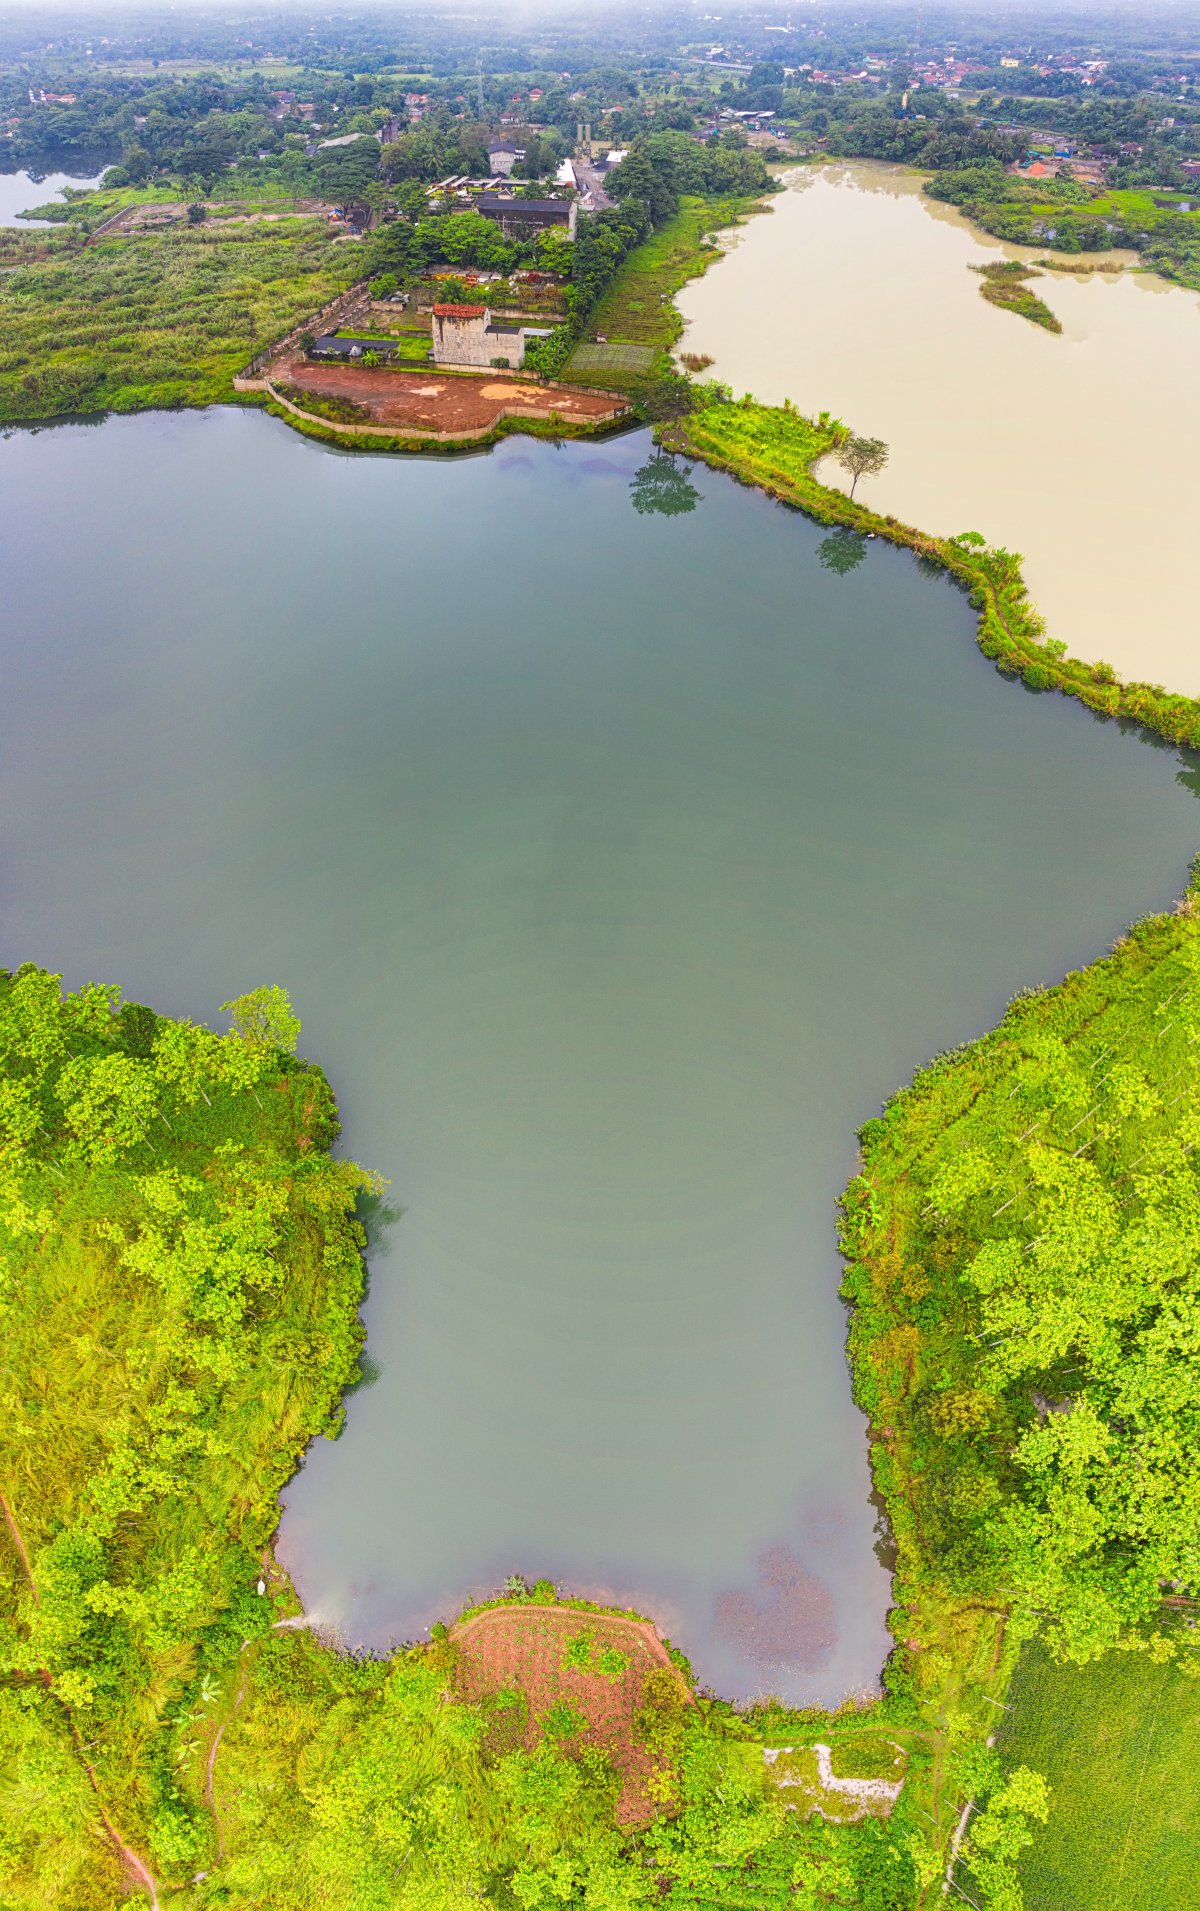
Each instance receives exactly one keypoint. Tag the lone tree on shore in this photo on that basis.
(862, 458)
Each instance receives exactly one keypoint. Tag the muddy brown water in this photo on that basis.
(852, 295)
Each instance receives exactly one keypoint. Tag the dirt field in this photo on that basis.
(427, 400)
(524, 1649)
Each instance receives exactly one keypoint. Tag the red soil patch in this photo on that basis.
(429, 400)
(524, 1647)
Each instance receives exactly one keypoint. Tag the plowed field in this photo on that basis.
(525, 1649)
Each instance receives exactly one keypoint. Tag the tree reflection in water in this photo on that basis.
(663, 484)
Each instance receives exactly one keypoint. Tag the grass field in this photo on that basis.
(1119, 1742)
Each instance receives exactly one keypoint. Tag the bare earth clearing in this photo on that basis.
(523, 1648)
(427, 400)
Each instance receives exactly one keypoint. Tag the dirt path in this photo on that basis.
(211, 1764)
(134, 1865)
(19, 1543)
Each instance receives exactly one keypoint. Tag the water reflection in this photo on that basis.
(663, 484)
(842, 550)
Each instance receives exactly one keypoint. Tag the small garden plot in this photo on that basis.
(414, 346)
(576, 1678)
(617, 357)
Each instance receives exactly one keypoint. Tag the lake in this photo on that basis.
(21, 190)
(619, 865)
(852, 295)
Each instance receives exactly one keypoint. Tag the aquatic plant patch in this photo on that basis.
(1005, 283)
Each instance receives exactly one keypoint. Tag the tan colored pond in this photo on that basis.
(852, 295)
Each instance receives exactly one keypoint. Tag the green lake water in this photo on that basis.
(618, 865)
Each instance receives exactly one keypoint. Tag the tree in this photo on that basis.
(661, 485)
(666, 398)
(196, 214)
(862, 458)
(264, 1016)
(842, 551)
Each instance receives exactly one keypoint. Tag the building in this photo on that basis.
(465, 335)
(521, 218)
(504, 156)
(351, 349)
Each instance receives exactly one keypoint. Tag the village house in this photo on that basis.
(521, 218)
(503, 156)
(465, 335)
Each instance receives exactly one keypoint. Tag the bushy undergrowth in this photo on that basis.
(178, 1311)
(152, 319)
(1072, 217)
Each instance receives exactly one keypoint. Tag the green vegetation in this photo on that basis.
(638, 309)
(1004, 284)
(179, 1315)
(1024, 1249)
(1119, 1742)
(774, 447)
(584, 1653)
(1073, 218)
(161, 318)
(338, 410)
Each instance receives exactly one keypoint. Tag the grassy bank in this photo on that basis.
(775, 448)
(1022, 1244)
(154, 319)
(638, 309)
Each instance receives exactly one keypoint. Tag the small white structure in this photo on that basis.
(465, 335)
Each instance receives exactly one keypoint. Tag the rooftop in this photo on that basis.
(459, 311)
(494, 202)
